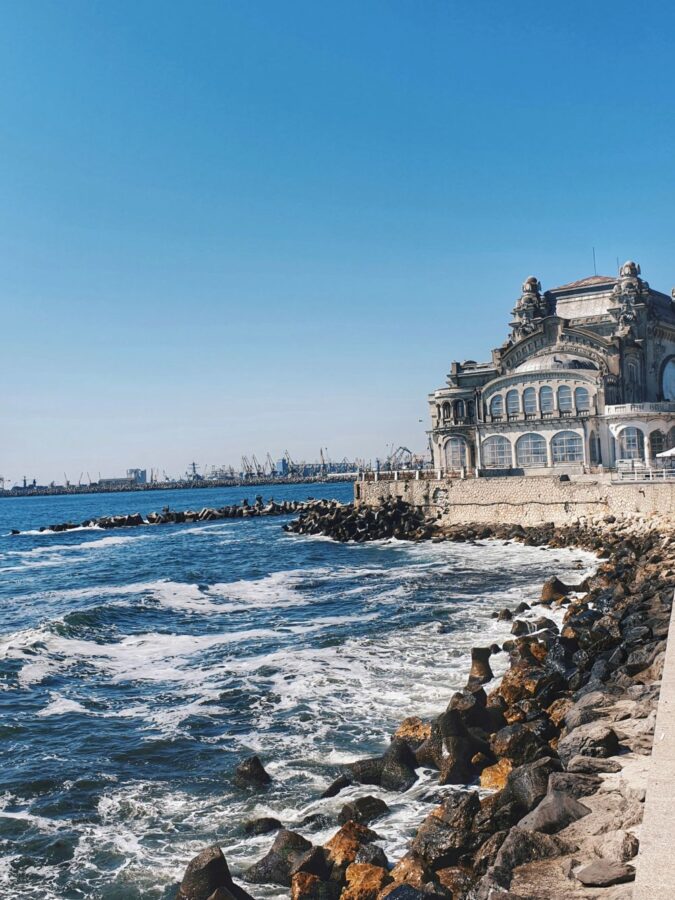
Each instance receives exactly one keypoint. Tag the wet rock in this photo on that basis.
(555, 812)
(441, 838)
(494, 777)
(604, 873)
(313, 861)
(412, 869)
(398, 767)
(480, 672)
(504, 615)
(363, 810)
(207, 873)
(487, 854)
(275, 867)
(251, 772)
(519, 744)
(414, 731)
(263, 825)
(345, 844)
(457, 880)
(340, 783)
(305, 886)
(365, 881)
(371, 853)
(527, 785)
(594, 739)
(553, 590)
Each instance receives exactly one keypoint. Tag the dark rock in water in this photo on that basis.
(555, 812)
(341, 782)
(207, 873)
(366, 771)
(251, 771)
(363, 810)
(554, 589)
(604, 873)
(590, 765)
(441, 839)
(480, 672)
(504, 615)
(522, 607)
(15, 531)
(316, 821)
(262, 826)
(275, 867)
(589, 740)
(398, 769)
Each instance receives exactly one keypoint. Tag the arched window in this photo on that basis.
(496, 452)
(566, 446)
(497, 405)
(582, 401)
(594, 445)
(657, 442)
(565, 398)
(546, 399)
(530, 401)
(446, 411)
(531, 450)
(631, 443)
(459, 409)
(512, 403)
(471, 409)
(455, 454)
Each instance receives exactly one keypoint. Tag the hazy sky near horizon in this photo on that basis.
(235, 227)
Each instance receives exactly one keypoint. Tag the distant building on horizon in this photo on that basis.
(585, 379)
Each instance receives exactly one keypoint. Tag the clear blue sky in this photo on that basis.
(245, 226)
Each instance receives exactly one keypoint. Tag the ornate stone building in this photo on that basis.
(585, 379)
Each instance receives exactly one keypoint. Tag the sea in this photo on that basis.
(139, 666)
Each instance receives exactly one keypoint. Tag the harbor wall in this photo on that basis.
(525, 500)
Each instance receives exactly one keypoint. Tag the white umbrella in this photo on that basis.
(667, 453)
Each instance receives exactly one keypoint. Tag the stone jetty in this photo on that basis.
(206, 514)
(548, 768)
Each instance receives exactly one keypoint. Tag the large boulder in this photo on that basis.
(519, 744)
(364, 882)
(276, 866)
(555, 812)
(442, 837)
(398, 767)
(594, 740)
(480, 672)
(251, 772)
(305, 886)
(604, 873)
(207, 873)
(345, 844)
(363, 810)
(527, 785)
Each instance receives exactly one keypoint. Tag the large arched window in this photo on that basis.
(566, 446)
(497, 405)
(631, 443)
(459, 409)
(455, 454)
(512, 403)
(446, 411)
(546, 399)
(496, 452)
(565, 398)
(582, 400)
(657, 442)
(531, 450)
(530, 401)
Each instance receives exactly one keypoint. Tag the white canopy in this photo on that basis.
(667, 453)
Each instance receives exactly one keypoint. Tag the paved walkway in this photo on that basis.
(655, 879)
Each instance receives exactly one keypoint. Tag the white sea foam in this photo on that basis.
(61, 705)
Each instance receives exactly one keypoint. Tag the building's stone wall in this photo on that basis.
(525, 500)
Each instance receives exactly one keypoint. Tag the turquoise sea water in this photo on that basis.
(139, 666)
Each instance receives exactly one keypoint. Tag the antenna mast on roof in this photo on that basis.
(595, 269)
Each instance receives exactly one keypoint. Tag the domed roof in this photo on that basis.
(548, 361)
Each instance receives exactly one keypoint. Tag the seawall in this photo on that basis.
(524, 500)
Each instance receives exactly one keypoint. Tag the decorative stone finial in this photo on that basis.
(629, 269)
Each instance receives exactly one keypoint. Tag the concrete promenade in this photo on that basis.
(655, 875)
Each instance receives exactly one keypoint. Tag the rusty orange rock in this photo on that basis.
(413, 730)
(494, 777)
(365, 882)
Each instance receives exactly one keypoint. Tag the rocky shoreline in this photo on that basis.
(169, 516)
(550, 765)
